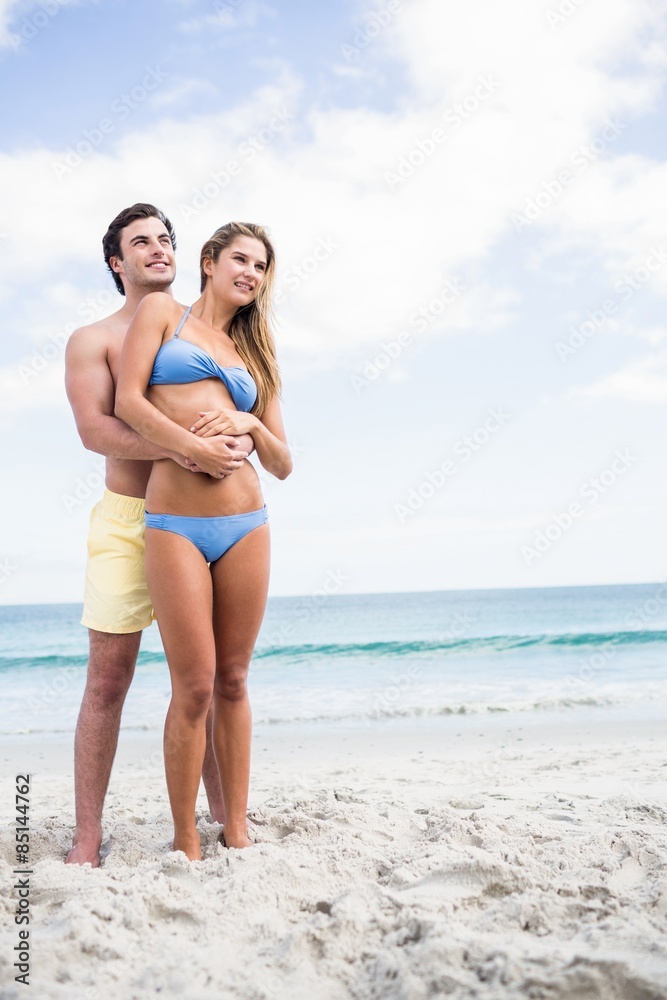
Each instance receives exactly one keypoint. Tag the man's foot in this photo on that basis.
(190, 844)
(85, 851)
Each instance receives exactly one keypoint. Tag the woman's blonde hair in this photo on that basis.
(250, 328)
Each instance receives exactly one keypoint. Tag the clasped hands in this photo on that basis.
(219, 454)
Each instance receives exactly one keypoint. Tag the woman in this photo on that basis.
(187, 376)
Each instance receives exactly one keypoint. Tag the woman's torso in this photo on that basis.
(173, 489)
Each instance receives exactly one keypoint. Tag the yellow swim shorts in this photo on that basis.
(116, 594)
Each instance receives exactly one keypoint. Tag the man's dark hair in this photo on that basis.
(111, 239)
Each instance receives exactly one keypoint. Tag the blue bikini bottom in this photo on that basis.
(213, 536)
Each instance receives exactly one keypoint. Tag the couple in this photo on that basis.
(176, 399)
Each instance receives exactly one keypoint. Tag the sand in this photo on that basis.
(486, 856)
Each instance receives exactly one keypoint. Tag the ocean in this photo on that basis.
(357, 659)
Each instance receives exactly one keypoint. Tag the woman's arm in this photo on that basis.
(90, 390)
(143, 341)
(268, 433)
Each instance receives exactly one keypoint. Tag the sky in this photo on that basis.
(469, 211)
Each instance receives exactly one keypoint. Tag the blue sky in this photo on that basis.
(397, 151)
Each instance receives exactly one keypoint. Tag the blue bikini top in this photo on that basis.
(180, 361)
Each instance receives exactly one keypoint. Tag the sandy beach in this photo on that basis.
(484, 856)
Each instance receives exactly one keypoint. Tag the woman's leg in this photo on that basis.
(179, 582)
(240, 586)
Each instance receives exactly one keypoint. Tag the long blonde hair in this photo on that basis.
(250, 328)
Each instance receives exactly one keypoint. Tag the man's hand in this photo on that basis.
(183, 461)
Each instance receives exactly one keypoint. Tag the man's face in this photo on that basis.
(148, 256)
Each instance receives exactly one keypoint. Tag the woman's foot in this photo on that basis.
(235, 838)
(190, 844)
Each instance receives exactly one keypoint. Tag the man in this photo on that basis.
(139, 251)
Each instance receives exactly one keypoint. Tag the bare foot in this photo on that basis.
(229, 838)
(190, 844)
(85, 851)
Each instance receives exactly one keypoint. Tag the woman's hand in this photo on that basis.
(219, 456)
(224, 422)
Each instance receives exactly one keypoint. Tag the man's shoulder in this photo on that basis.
(160, 303)
(108, 333)
(95, 340)
(109, 326)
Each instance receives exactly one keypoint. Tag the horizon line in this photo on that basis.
(386, 593)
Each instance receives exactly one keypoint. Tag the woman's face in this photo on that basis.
(239, 271)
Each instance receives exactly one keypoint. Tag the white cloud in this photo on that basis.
(181, 91)
(561, 74)
(23, 20)
(404, 210)
(35, 382)
(328, 177)
(611, 212)
(643, 380)
(230, 15)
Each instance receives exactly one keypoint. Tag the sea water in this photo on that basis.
(361, 658)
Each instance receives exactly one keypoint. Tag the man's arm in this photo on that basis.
(141, 344)
(90, 391)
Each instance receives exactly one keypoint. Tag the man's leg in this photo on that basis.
(116, 599)
(110, 671)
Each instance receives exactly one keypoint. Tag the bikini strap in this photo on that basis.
(183, 319)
